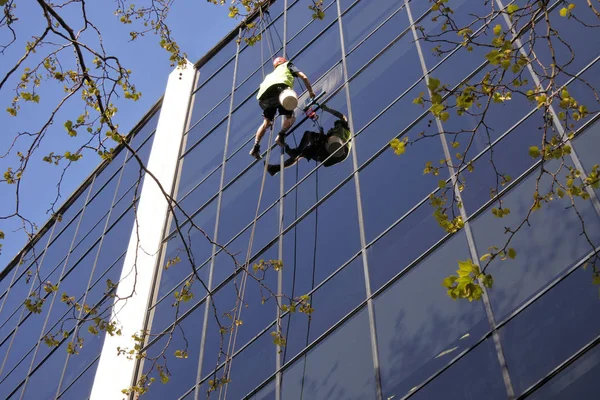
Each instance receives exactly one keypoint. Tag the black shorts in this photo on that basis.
(269, 102)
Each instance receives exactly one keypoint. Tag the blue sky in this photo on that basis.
(196, 25)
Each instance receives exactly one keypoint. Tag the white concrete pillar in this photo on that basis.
(116, 373)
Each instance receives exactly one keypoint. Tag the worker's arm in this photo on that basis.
(306, 83)
(334, 112)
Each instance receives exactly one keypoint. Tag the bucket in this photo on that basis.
(288, 99)
(335, 146)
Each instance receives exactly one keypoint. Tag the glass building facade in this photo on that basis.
(360, 238)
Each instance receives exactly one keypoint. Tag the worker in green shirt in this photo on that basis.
(280, 79)
(329, 148)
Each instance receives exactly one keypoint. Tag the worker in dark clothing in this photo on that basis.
(273, 85)
(319, 146)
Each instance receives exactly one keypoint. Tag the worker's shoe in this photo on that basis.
(255, 152)
(280, 140)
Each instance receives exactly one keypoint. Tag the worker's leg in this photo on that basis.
(288, 121)
(275, 168)
(255, 152)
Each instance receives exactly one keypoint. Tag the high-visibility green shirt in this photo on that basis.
(281, 75)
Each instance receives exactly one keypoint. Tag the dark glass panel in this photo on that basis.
(541, 248)
(334, 300)
(340, 367)
(212, 92)
(201, 160)
(551, 330)
(419, 334)
(480, 362)
(577, 381)
(398, 181)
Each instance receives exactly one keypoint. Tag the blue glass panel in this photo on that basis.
(240, 201)
(551, 330)
(266, 393)
(330, 370)
(144, 133)
(412, 237)
(244, 123)
(183, 370)
(212, 92)
(358, 57)
(82, 387)
(248, 88)
(363, 19)
(398, 181)
(207, 123)
(370, 90)
(509, 157)
(201, 160)
(108, 172)
(418, 335)
(334, 300)
(318, 58)
(243, 376)
(300, 22)
(480, 362)
(337, 233)
(542, 251)
(578, 381)
(206, 191)
(586, 147)
(198, 245)
(208, 69)
(43, 384)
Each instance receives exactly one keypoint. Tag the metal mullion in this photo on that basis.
(217, 219)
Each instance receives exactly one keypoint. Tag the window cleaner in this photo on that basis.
(276, 94)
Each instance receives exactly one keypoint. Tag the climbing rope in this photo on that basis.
(242, 291)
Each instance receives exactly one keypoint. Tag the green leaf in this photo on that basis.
(485, 257)
(433, 84)
(534, 151)
(563, 12)
(498, 29)
(465, 267)
(449, 281)
(596, 279)
(512, 253)
(512, 8)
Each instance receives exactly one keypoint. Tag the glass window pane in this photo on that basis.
(82, 387)
(400, 181)
(300, 21)
(416, 338)
(318, 58)
(201, 160)
(244, 374)
(240, 201)
(578, 381)
(183, 370)
(207, 124)
(330, 370)
(198, 245)
(551, 330)
(199, 196)
(225, 54)
(334, 300)
(408, 240)
(212, 92)
(363, 19)
(480, 362)
(43, 384)
(542, 251)
(586, 146)
(251, 57)
(370, 90)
